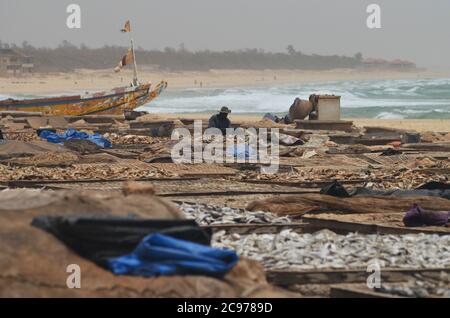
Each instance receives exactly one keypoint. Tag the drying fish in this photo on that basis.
(326, 250)
(129, 139)
(420, 286)
(212, 215)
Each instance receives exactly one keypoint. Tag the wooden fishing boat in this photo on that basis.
(113, 102)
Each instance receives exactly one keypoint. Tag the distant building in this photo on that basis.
(375, 63)
(372, 63)
(402, 65)
(13, 62)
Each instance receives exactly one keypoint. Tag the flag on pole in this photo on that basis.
(127, 27)
(126, 59)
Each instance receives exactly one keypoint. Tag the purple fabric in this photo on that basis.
(420, 217)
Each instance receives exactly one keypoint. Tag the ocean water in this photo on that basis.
(386, 99)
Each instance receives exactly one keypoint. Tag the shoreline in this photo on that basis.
(419, 125)
(97, 80)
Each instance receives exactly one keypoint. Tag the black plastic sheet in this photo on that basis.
(431, 189)
(100, 238)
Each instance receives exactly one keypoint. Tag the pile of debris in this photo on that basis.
(327, 250)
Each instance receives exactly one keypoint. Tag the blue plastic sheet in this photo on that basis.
(158, 254)
(74, 134)
(242, 152)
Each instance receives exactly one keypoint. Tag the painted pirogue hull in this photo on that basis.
(113, 102)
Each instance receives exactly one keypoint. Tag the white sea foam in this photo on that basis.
(421, 98)
(389, 98)
(387, 115)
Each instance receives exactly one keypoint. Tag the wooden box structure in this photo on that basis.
(339, 125)
(329, 107)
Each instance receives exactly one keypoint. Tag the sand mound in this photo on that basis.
(34, 263)
(149, 117)
(47, 159)
(318, 203)
(15, 148)
(98, 158)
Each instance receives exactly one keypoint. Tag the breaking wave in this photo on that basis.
(421, 98)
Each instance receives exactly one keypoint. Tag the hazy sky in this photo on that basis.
(417, 30)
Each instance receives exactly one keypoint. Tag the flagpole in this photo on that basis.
(135, 74)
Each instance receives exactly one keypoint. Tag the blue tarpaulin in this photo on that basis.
(242, 152)
(159, 254)
(74, 134)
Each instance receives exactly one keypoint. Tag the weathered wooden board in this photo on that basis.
(244, 229)
(339, 225)
(340, 276)
(356, 291)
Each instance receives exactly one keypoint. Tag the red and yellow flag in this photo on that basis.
(126, 59)
(127, 27)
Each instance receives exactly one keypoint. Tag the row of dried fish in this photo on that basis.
(79, 172)
(420, 286)
(326, 250)
(129, 139)
(379, 179)
(47, 159)
(211, 215)
(22, 136)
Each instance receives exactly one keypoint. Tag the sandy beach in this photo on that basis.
(135, 180)
(420, 125)
(92, 80)
(97, 80)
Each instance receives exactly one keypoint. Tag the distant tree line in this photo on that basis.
(67, 57)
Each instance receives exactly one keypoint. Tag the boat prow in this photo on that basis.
(115, 101)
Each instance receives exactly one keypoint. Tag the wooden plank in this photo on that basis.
(41, 183)
(14, 113)
(96, 119)
(341, 125)
(209, 175)
(358, 291)
(441, 147)
(231, 193)
(244, 229)
(343, 227)
(340, 276)
(313, 184)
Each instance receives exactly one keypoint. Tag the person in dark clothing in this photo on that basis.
(1, 135)
(220, 120)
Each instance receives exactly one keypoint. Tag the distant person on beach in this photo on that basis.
(1, 135)
(221, 120)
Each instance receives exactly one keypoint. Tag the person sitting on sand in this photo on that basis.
(220, 120)
(300, 109)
